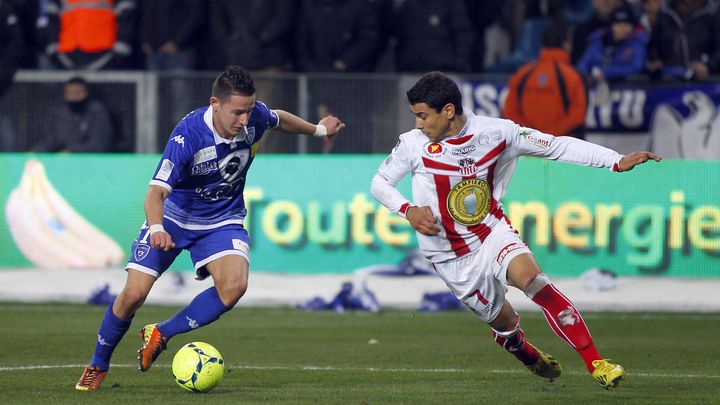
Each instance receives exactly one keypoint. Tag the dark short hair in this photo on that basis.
(235, 80)
(77, 80)
(436, 90)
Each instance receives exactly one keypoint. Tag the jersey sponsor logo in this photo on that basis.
(506, 250)
(239, 245)
(464, 150)
(204, 168)
(165, 170)
(179, 139)
(536, 138)
(469, 201)
(467, 166)
(231, 168)
(433, 149)
(205, 154)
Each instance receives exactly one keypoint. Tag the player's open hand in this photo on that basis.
(630, 161)
(161, 240)
(333, 125)
(423, 220)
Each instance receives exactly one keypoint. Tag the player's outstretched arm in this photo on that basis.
(328, 126)
(630, 161)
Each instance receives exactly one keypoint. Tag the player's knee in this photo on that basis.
(232, 290)
(536, 284)
(129, 300)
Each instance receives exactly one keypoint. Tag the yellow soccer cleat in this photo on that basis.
(547, 366)
(608, 374)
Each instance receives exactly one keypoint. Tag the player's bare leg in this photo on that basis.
(114, 325)
(508, 334)
(230, 274)
(564, 319)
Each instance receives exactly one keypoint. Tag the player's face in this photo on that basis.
(434, 124)
(230, 116)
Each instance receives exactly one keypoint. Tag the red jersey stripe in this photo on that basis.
(457, 243)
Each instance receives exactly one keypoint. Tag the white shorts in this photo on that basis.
(479, 279)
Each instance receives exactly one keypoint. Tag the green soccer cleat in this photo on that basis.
(546, 366)
(608, 374)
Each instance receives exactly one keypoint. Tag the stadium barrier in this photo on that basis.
(677, 119)
(311, 214)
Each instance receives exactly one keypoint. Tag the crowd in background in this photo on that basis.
(595, 42)
(680, 36)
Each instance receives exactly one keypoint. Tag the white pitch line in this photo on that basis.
(368, 369)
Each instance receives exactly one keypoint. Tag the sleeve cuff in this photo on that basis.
(403, 209)
(616, 167)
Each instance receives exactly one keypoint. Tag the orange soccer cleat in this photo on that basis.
(153, 344)
(90, 379)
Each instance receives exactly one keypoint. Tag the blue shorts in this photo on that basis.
(204, 246)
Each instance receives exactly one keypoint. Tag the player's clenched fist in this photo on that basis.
(161, 240)
(423, 220)
(333, 125)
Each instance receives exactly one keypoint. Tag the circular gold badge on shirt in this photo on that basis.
(469, 201)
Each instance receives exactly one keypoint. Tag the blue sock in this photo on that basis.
(111, 331)
(205, 308)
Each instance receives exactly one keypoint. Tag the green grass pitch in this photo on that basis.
(281, 356)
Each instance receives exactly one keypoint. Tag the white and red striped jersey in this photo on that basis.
(463, 177)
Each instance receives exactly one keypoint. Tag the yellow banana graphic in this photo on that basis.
(49, 232)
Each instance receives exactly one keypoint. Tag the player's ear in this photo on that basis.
(215, 103)
(449, 110)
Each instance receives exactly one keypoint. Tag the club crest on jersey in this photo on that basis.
(433, 149)
(249, 135)
(467, 166)
(469, 201)
(141, 251)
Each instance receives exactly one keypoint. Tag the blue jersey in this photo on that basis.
(206, 173)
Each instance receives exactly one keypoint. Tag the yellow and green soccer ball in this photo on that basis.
(198, 367)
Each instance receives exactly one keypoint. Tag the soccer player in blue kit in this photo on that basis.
(195, 202)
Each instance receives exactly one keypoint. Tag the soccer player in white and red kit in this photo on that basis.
(461, 165)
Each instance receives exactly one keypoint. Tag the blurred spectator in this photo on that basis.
(549, 94)
(338, 35)
(683, 42)
(482, 14)
(87, 34)
(650, 11)
(433, 35)
(169, 33)
(618, 52)
(27, 14)
(82, 124)
(254, 34)
(11, 46)
(600, 19)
